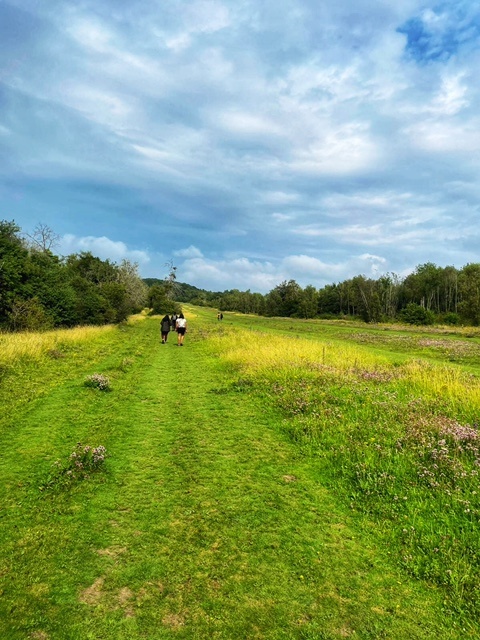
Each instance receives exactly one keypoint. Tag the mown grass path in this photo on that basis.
(208, 524)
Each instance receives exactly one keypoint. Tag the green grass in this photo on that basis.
(233, 503)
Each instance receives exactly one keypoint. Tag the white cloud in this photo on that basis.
(189, 252)
(102, 247)
(281, 217)
(348, 149)
(256, 275)
(279, 197)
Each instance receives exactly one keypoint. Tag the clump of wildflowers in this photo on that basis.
(98, 381)
(80, 464)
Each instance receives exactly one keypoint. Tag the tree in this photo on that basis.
(284, 299)
(416, 314)
(28, 315)
(47, 281)
(308, 303)
(13, 258)
(43, 238)
(368, 300)
(329, 300)
(389, 287)
(469, 290)
(135, 287)
(159, 302)
(170, 282)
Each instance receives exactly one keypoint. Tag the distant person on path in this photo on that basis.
(165, 328)
(174, 322)
(181, 327)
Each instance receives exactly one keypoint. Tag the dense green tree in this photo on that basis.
(284, 299)
(415, 313)
(329, 300)
(469, 290)
(47, 281)
(91, 268)
(159, 301)
(13, 257)
(308, 302)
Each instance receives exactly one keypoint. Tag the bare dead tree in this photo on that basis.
(43, 238)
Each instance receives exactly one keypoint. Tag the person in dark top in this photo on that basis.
(165, 328)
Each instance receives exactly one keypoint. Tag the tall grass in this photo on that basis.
(36, 345)
(397, 437)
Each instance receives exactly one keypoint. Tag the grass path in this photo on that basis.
(209, 524)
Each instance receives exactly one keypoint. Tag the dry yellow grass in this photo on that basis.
(254, 352)
(443, 381)
(35, 345)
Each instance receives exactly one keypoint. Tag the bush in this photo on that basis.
(98, 381)
(83, 461)
(416, 314)
(451, 319)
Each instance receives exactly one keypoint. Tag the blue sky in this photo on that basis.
(249, 142)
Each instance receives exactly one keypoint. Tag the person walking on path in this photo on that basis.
(181, 327)
(165, 328)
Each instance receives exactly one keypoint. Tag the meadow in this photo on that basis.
(276, 478)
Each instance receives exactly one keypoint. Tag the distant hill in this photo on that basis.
(188, 293)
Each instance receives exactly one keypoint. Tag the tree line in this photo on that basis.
(40, 290)
(431, 294)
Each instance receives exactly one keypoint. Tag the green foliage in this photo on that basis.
(469, 289)
(80, 464)
(416, 314)
(13, 257)
(449, 318)
(28, 315)
(39, 290)
(159, 301)
(98, 381)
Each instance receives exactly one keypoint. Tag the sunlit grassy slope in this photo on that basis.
(271, 479)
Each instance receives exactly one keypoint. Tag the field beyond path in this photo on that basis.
(208, 521)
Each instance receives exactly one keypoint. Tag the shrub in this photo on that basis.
(83, 461)
(451, 318)
(98, 381)
(416, 314)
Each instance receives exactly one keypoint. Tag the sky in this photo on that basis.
(247, 142)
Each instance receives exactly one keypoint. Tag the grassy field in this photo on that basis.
(271, 479)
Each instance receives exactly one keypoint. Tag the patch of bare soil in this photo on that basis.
(112, 552)
(173, 621)
(125, 597)
(93, 594)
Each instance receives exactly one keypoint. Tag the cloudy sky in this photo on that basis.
(249, 142)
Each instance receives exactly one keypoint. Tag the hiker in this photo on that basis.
(174, 322)
(181, 327)
(165, 328)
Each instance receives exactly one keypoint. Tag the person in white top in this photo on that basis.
(181, 329)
